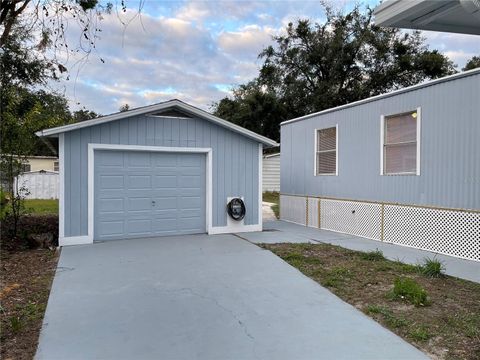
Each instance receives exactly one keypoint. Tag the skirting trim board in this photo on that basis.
(229, 230)
(74, 240)
(454, 232)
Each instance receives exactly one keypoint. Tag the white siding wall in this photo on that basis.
(271, 173)
(40, 185)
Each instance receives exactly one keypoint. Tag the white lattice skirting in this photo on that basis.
(451, 232)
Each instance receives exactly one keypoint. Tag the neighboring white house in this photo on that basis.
(39, 184)
(271, 172)
(38, 163)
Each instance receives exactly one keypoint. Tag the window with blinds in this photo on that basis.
(400, 144)
(326, 152)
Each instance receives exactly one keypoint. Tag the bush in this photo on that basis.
(29, 226)
(408, 289)
(432, 268)
(375, 255)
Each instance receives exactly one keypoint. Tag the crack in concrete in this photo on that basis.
(227, 310)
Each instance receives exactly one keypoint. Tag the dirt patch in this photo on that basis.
(26, 278)
(447, 328)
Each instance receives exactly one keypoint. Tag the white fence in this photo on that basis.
(454, 232)
(39, 184)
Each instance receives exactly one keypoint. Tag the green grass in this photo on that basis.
(273, 197)
(420, 333)
(408, 289)
(388, 316)
(375, 255)
(40, 206)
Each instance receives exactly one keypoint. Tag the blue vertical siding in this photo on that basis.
(450, 149)
(234, 161)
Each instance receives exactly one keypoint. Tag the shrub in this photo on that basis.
(376, 255)
(28, 226)
(433, 268)
(408, 289)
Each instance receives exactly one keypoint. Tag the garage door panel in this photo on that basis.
(189, 181)
(113, 204)
(139, 182)
(110, 159)
(190, 202)
(164, 203)
(111, 228)
(148, 194)
(164, 214)
(135, 204)
(111, 181)
(165, 181)
(139, 226)
(138, 159)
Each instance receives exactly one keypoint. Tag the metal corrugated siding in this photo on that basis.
(235, 161)
(450, 149)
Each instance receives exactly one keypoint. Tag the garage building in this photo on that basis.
(164, 169)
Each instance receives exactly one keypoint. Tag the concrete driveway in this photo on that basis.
(200, 297)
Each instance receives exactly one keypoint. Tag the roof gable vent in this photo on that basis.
(172, 113)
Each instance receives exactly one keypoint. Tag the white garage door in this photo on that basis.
(145, 194)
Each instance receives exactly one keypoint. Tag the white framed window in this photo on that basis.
(400, 143)
(326, 149)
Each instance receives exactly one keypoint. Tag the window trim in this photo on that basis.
(418, 142)
(315, 152)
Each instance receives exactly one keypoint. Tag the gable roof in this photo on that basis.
(175, 105)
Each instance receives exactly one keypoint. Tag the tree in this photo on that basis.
(473, 63)
(315, 66)
(124, 107)
(254, 109)
(84, 114)
(24, 109)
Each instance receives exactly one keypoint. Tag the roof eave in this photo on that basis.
(152, 108)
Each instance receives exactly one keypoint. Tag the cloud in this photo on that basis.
(192, 50)
(458, 47)
(246, 41)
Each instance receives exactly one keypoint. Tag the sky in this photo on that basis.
(196, 51)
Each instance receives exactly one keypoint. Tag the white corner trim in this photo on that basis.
(74, 240)
(119, 147)
(382, 139)
(231, 230)
(209, 190)
(61, 195)
(419, 137)
(260, 185)
(315, 136)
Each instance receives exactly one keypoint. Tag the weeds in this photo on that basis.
(433, 268)
(376, 255)
(420, 333)
(16, 324)
(387, 314)
(408, 289)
